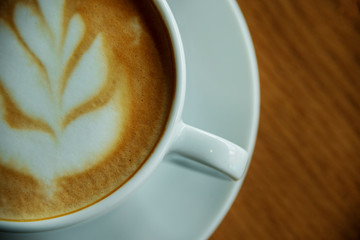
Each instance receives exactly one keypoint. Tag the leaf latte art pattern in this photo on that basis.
(59, 111)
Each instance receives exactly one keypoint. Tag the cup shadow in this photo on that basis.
(192, 165)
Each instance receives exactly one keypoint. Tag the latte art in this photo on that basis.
(51, 94)
(84, 97)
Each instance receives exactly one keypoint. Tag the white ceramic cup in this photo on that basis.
(178, 138)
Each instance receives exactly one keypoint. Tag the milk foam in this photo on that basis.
(37, 79)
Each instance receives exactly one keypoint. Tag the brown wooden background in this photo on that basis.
(304, 180)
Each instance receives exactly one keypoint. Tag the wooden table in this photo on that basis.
(304, 179)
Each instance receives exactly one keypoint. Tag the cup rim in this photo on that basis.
(111, 201)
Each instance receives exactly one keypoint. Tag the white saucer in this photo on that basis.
(183, 200)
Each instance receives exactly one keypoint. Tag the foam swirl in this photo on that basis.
(60, 113)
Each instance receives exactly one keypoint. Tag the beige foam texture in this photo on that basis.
(137, 89)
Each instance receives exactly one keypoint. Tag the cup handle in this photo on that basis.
(210, 150)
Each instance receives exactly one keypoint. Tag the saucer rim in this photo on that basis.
(251, 55)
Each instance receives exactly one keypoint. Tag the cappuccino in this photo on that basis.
(86, 89)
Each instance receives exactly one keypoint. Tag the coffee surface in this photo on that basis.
(86, 88)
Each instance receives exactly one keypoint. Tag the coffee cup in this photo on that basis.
(110, 126)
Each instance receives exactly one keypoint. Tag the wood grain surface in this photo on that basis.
(304, 179)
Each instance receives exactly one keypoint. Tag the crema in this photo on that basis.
(86, 89)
